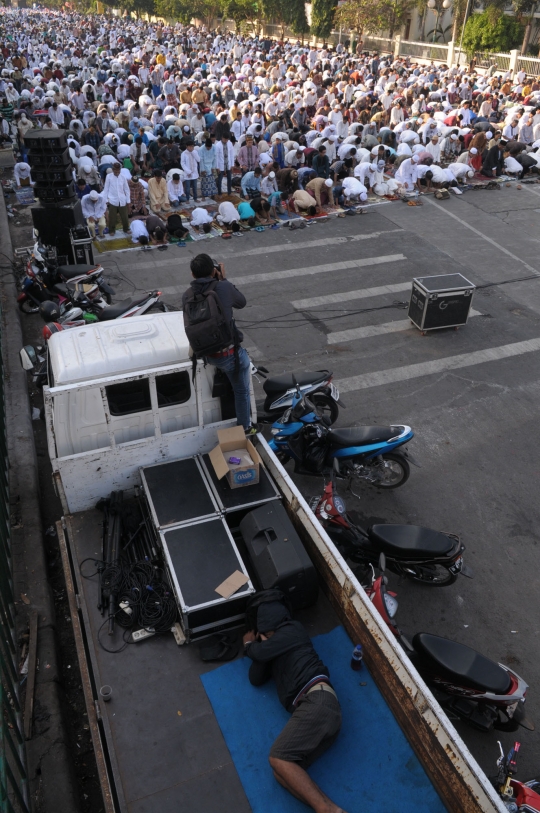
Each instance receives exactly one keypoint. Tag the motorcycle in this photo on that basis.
(371, 453)
(426, 556)
(54, 322)
(518, 797)
(468, 686)
(44, 261)
(280, 391)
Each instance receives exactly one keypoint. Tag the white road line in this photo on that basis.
(363, 293)
(257, 252)
(405, 373)
(484, 237)
(270, 276)
(376, 330)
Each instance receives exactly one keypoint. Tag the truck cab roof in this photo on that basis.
(114, 348)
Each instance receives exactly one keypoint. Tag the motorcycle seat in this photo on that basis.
(413, 539)
(114, 311)
(362, 435)
(61, 288)
(70, 271)
(281, 383)
(461, 663)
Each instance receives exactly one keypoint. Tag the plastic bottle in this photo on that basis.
(357, 658)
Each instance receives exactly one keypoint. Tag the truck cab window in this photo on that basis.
(129, 397)
(173, 388)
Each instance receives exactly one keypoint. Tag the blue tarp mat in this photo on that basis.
(370, 769)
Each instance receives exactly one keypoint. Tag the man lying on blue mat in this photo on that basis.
(282, 649)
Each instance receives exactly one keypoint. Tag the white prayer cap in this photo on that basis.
(328, 182)
(271, 174)
(470, 173)
(363, 196)
(473, 151)
(94, 195)
(489, 134)
(415, 159)
(454, 137)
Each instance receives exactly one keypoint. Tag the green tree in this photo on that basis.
(375, 16)
(322, 17)
(484, 33)
(175, 10)
(286, 13)
(243, 12)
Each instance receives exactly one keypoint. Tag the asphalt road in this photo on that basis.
(470, 395)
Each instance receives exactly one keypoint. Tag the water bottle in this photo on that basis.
(357, 658)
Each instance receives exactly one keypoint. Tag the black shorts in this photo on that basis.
(312, 729)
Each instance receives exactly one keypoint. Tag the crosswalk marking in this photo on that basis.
(149, 260)
(363, 293)
(377, 379)
(272, 276)
(375, 330)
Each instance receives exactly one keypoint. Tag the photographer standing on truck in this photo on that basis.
(212, 332)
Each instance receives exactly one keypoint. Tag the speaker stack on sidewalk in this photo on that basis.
(52, 171)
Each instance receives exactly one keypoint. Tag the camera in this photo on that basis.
(217, 269)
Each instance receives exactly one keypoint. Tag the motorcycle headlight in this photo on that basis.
(391, 605)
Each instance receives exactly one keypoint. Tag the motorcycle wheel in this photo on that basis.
(396, 474)
(326, 407)
(27, 306)
(432, 575)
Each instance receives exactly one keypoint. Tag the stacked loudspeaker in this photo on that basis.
(49, 159)
(52, 171)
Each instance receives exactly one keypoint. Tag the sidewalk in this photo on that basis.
(51, 778)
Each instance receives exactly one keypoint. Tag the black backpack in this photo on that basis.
(207, 327)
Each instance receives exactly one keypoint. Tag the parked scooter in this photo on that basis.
(280, 391)
(467, 685)
(54, 321)
(426, 556)
(518, 797)
(375, 454)
(44, 261)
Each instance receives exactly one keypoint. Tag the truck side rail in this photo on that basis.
(457, 777)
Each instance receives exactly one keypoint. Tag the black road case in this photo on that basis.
(177, 492)
(278, 556)
(440, 301)
(199, 557)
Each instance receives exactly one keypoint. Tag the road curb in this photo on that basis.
(50, 769)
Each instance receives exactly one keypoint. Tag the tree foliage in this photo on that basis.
(375, 16)
(322, 17)
(483, 33)
(243, 12)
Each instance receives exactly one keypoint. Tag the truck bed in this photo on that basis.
(162, 743)
(161, 748)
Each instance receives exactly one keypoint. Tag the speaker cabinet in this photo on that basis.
(54, 225)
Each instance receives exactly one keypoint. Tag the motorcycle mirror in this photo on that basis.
(28, 357)
(382, 562)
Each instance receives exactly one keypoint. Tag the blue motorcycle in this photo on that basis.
(375, 454)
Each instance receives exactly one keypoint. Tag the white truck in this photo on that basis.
(120, 397)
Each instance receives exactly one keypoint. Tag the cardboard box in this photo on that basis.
(233, 443)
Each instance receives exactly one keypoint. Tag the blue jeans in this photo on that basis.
(193, 186)
(240, 380)
(220, 179)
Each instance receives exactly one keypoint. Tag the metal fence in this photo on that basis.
(423, 50)
(486, 60)
(529, 64)
(13, 777)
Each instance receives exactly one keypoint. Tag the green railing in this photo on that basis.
(13, 777)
